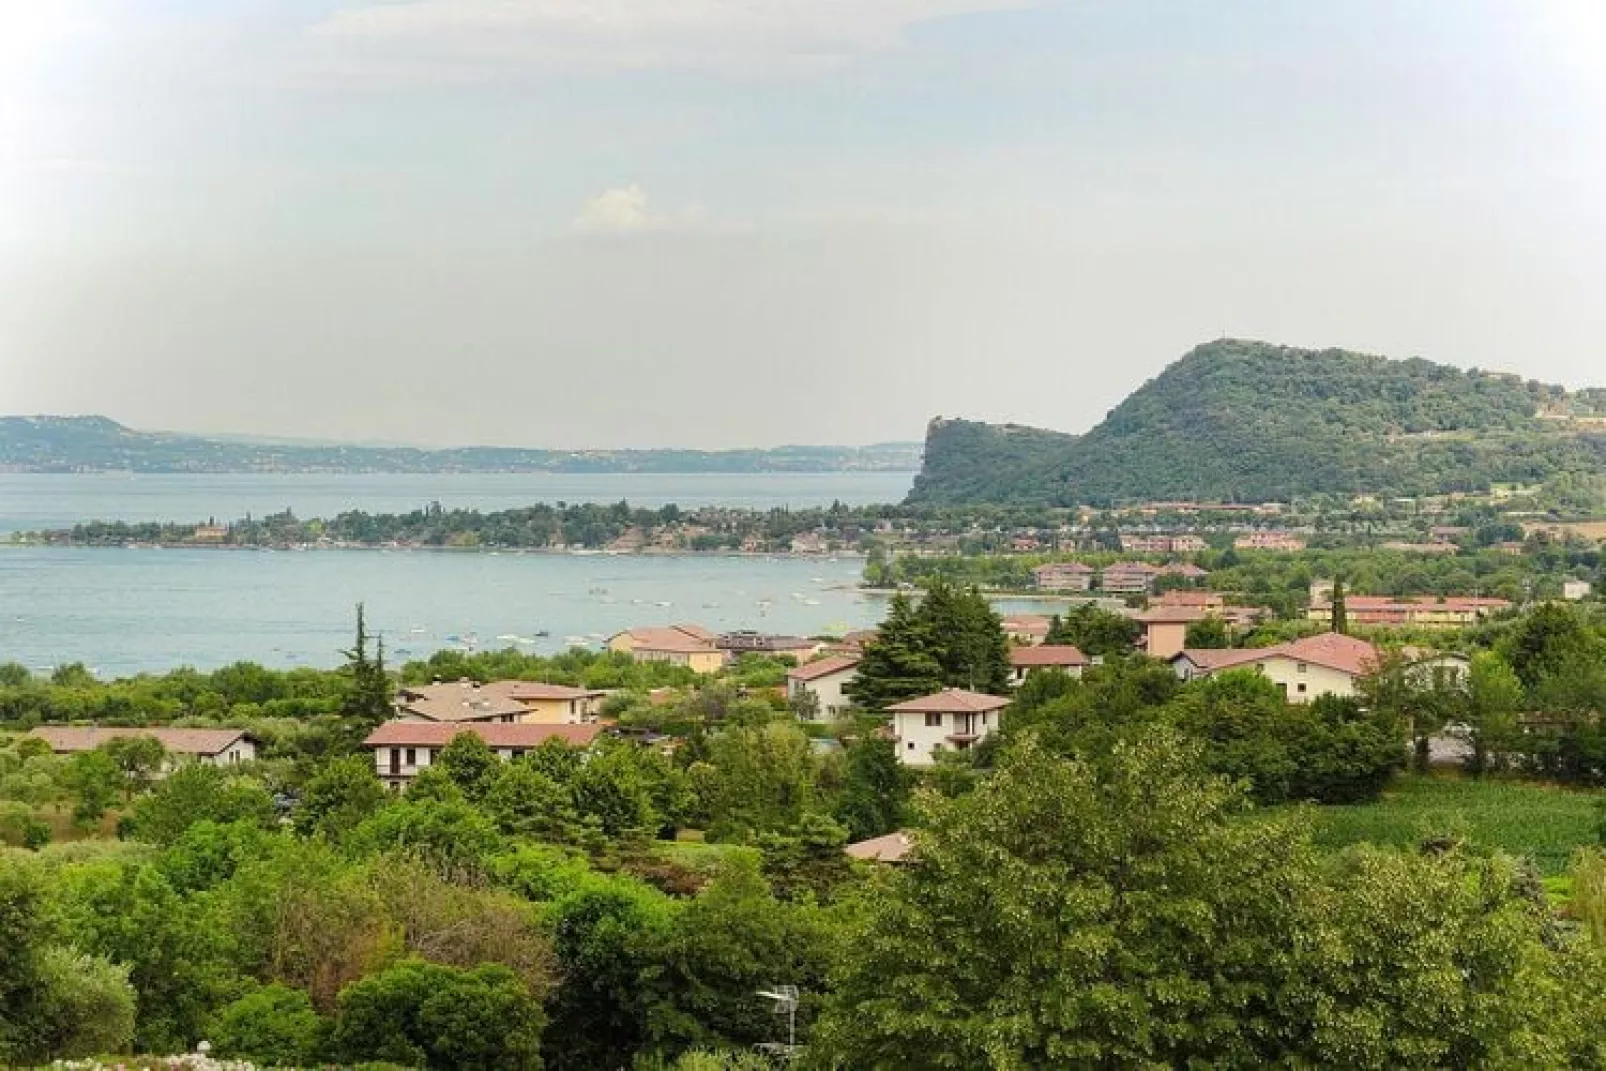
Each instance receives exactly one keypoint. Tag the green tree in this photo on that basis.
(471, 764)
(197, 792)
(526, 802)
(875, 788)
(95, 781)
(422, 1014)
(369, 701)
(1210, 633)
(339, 797)
(1063, 915)
(1096, 631)
(274, 1026)
(1340, 617)
(965, 637)
(898, 664)
(86, 1005)
(139, 757)
(1494, 698)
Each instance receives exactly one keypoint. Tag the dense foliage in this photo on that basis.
(1245, 421)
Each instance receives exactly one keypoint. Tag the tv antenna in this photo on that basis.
(784, 998)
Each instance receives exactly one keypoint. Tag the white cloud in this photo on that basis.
(752, 37)
(628, 209)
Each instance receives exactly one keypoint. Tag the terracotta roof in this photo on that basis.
(1049, 654)
(1335, 651)
(892, 848)
(1171, 615)
(1134, 567)
(1418, 602)
(65, 738)
(1068, 567)
(662, 638)
(950, 701)
(1331, 649)
(677, 644)
(432, 734)
(824, 667)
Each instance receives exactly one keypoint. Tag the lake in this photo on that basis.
(29, 502)
(126, 611)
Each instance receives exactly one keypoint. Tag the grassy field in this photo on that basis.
(1543, 823)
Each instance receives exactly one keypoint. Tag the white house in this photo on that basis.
(219, 747)
(952, 718)
(825, 679)
(404, 748)
(1328, 664)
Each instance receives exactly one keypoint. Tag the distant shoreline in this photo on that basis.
(301, 548)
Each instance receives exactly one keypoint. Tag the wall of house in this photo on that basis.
(1165, 639)
(828, 690)
(410, 761)
(917, 741)
(556, 711)
(240, 751)
(1018, 674)
(1315, 680)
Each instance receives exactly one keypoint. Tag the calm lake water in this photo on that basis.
(126, 611)
(29, 502)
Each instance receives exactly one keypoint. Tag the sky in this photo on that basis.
(712, 223)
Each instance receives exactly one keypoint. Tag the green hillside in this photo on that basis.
(1250, 421)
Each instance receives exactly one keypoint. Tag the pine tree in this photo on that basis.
(1340, 612)
(898, 663)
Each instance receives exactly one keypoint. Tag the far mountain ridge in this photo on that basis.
(1238, 420)
(95, 443)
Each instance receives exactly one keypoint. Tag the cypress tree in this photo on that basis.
(1340, 621)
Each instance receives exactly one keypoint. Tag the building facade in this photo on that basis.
(952, 719)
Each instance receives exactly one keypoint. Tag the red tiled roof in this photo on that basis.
(950, 701)
(434, 734)
(68, 738)
(824, 667)
(1331, 649)
(892, 848)
(1049, 654)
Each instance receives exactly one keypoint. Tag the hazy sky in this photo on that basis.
(714, 223)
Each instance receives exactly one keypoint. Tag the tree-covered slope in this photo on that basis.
(964, 459)
(1249, 421)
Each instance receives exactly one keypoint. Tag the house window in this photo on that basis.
(1301, 688)
(1302, 667)
(911, 745)
(933, 721)
(412, 756)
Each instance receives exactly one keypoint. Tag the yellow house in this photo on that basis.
(699, 657)
(554, 704)
(627, 641)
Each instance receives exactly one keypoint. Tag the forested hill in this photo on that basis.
(1249, 421)
(95, 443)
